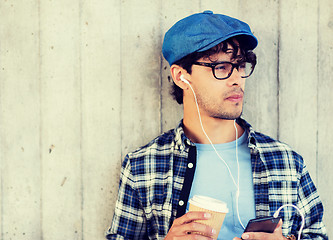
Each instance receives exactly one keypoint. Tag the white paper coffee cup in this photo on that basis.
(216, 208)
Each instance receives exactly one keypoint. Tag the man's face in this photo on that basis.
(221, 99)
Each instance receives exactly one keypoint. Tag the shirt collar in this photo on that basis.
(182, 141)
(248, 128)
(253, 142)
(180, 138)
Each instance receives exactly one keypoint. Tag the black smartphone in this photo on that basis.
(264, 224)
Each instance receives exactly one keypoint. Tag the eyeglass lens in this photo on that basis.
(224, 70)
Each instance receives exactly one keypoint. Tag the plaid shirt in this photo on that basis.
(156, 179)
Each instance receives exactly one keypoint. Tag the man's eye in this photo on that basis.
(221, 67)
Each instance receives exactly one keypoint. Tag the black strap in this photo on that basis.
(189, 174)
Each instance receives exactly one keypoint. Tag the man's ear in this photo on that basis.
(176, 72)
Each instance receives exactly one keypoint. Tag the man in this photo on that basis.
(213, 152)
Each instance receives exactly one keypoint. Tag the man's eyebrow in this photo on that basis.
(238, 59)
(232, 49)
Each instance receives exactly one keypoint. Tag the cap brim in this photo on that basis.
(249, 41)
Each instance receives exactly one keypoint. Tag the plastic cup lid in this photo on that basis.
(209, 203)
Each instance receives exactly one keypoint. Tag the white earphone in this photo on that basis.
(184, 80)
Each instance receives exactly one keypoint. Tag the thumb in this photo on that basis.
(279, 226)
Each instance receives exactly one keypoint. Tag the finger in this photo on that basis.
(192, 236)
(197, 237)
(198, 228)
(236, 238)
(192, 216)
(278, 229)
(255, 235)
(200, 237)
(279, 225)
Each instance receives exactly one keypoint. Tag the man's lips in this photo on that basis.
(235, 97)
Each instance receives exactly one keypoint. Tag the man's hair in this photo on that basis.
(188, 61)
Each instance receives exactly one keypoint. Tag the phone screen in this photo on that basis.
(265, 224)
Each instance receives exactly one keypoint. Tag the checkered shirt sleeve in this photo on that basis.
(151, 180)
(128, 219)
(281, 177)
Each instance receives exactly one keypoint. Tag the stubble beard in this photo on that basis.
(227, 115)
(215, 110)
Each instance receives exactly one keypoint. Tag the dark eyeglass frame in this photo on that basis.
(234, 65)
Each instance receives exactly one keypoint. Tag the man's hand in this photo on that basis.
(185, 227)
(276, 235)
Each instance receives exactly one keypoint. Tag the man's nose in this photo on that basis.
(235, 77)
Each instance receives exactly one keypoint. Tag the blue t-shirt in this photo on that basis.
(212, 179)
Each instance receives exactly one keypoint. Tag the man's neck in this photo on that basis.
(218, 130)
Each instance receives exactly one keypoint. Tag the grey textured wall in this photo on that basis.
(83, 82)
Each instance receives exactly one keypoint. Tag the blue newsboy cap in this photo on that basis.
(202, 31)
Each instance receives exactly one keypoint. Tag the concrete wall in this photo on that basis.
(83, 82)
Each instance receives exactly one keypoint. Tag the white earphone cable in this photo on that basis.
(276, 214)
(233, 179)
(238, 174)
(196, 102)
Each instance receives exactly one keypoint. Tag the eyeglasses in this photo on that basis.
(223, 70)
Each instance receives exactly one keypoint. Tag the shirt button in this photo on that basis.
(190, 165)
(181, 203)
